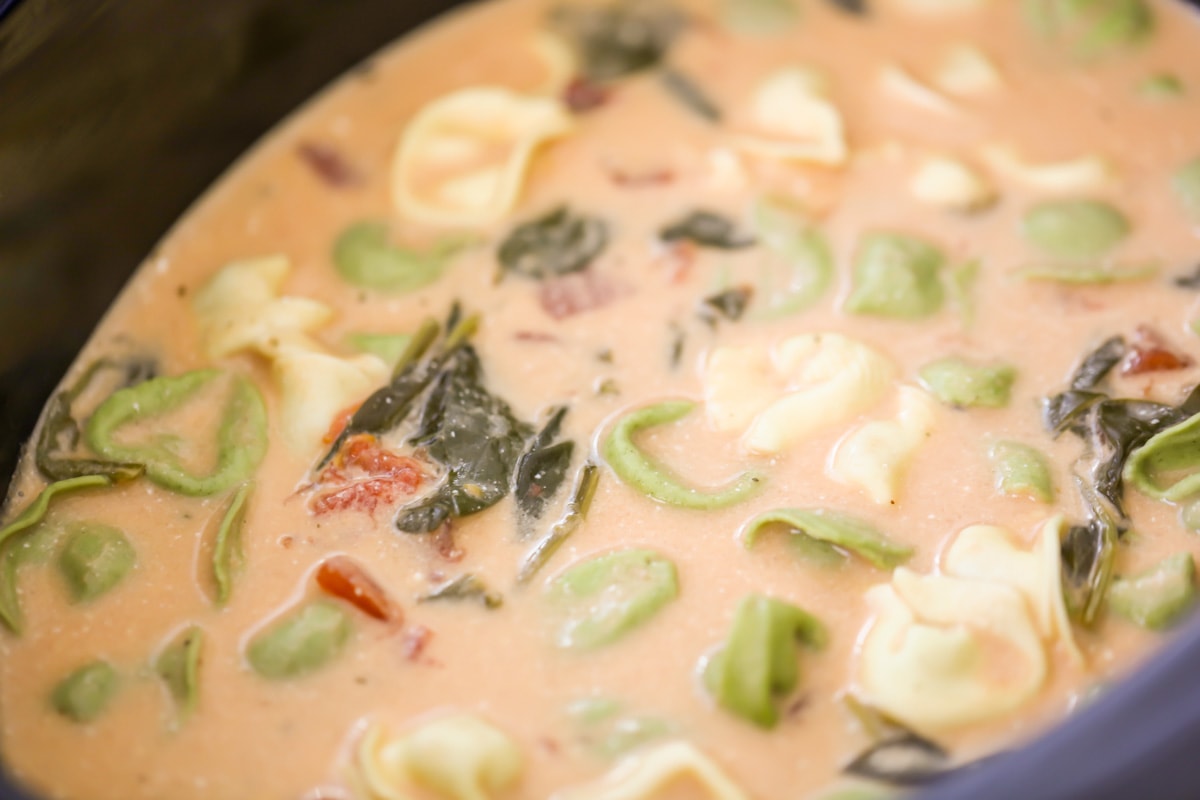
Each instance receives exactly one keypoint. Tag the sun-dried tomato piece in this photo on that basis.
(1149, 353)
(373, 459)
(582, 95)
(344, 578)
(678, 258)
(365, 495)
(365, 476)
(628, 179)
(339, 423)
(576, 293)
(416, 639)
(328, 164)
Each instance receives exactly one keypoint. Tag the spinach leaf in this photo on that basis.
(1097, 364)
(573, 516)
(556, 243)
(388, 406)
(541, 469)
(619, 39)
(1087, 557)
(1111, 428)
(685, 90)
(707, 229)
(859, 8)
(61, 432)
(901, 759)
(475, 437)
(484, 451)
(1190, 280)
(467, 586)
(731, 303)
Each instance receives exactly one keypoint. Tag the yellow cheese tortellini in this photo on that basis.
(970, 643)
(241, 309)
(1087, 173)
(899, 83)
(932, 657)
(783, 395)
(463, 158)
(457, 757)
(951, 184)
(794, 120)
(642, 775)
(875, 455)
(988, 552)
(966, 70)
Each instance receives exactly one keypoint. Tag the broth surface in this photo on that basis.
(640, 160)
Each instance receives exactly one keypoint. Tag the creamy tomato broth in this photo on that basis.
(730, 399)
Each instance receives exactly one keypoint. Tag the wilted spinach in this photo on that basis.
(473, 435)
(730, 304)
(573, 516)
(707, 229)
(901, 759)
(541, 470)
(556, 243)
(616, 40)
(1112, 428)
(693, 98)
(61, 431)
(483, 450)
(899, 756)
(389, 405)
(1190, 280)
(1087, 557)
(467, 586)
(859, 8)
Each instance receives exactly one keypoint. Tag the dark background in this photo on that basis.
(116, 114)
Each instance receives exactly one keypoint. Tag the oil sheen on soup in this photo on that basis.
(733, 399)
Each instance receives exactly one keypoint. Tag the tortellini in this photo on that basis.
(966, 70)
(967, 644)
(458, 757)
(794, 120)
(951, 184)
(938, 8)
(782, 396)
(641, 776)
(875, 455)
(1087, 173)
(987, 552)
(900, 84)
(925, 658)
(241, 308)
(463, 158)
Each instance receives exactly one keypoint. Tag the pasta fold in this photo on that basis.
(463, 158)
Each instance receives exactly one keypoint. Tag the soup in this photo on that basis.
(737, 399)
